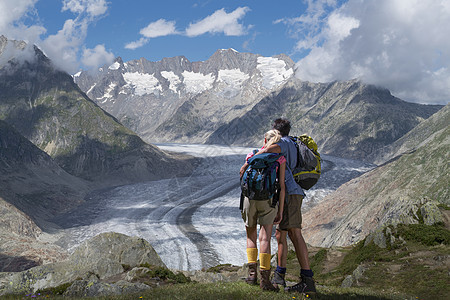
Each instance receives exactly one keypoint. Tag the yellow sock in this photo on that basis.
(252, 255)
(264, 261)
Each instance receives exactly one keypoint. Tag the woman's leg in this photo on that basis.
(252, 255)
(252, 251)
(265, 233)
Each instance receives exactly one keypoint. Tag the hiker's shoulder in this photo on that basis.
(285, 142)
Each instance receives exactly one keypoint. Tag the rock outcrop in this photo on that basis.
(101, 257)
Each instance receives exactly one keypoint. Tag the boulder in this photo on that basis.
(105, 255)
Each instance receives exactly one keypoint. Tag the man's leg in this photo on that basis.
(295, 234)
(282, 247)
(306, 285)
(280, 272)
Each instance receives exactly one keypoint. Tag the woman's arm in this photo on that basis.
(282, 171)
(243, 168)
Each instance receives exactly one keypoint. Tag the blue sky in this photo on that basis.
(398, 44)
(123, 20)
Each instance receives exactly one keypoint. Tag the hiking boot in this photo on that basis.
(252, 274)
(265, 283)
(278, 279)
(306, 285)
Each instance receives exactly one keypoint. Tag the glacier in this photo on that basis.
(192, 222)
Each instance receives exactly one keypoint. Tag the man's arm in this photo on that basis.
(274, 148)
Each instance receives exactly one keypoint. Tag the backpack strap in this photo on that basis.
(294, 139)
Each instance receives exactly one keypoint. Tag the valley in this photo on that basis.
(192, 222)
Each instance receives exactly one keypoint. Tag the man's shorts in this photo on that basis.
(292, 213)
(258, 212)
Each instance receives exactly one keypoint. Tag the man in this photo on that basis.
(292, 216)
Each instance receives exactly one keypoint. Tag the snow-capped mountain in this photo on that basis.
(232, 99)
(145, 95)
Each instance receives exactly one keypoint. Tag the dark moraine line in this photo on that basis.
(208, 254)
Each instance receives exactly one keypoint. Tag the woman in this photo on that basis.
(262, 212)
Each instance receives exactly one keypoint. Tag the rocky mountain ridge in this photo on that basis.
(47, 107)
(147, 95)
(407, 190)
(233, 97)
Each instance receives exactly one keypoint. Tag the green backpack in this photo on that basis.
(308, 169)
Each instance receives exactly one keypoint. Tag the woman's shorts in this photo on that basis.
(258, 212)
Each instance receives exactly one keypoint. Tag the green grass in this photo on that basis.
(232, 290)
(425, 234)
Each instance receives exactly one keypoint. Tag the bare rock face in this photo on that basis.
(21, 248)
(417, 137)
(406, 190)
(104, 256)
(347, 119)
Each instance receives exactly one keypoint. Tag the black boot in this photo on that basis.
(306, 285)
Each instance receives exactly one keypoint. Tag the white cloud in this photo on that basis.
(12, 13)
(159, 28)
(97, 57)
(220, 21)
(398, 44)
(92, 7)
(63, 46)
(153, 30)
(13, 10)
(137, 44)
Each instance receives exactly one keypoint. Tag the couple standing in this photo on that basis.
(287, 216)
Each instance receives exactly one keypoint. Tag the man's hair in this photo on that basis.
(282, 125)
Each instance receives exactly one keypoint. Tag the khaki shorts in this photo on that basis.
(258, 212)
(292, 213)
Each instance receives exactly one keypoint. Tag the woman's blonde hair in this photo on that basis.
(272, 136)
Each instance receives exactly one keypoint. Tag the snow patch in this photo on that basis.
(174, 80)
(142, 83)
(114, 66)
(91, 88)
(107, 96)
(273, 71)
(233, 78)
(230, 49)
(77, 74)
(197, 82)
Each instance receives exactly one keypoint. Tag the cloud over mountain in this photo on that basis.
(400, 45)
